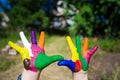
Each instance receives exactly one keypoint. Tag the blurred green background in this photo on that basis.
(99, 20)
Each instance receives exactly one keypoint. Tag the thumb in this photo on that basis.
(55, 58)
(69, 63)
(43, 60)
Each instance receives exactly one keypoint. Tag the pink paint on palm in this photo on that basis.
(35, 50)
(90, 53)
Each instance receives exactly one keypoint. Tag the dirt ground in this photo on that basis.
(105, 65)
(101, 64)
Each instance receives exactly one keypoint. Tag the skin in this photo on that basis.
(77, 55)
(30, 75)
(35, 59)
(81, 75)
(80, 54)
(33, 56)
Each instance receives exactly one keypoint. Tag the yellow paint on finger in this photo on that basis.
(23, 51)
(73, 49)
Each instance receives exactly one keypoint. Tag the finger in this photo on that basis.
(23, 51)
(41, 40)
(68, 63)
(14, 46)
(79, 49)
(85, 65)
(73, 49)
(56, 58)
(90, 53)
(73, 66)
(43, 60)
(27, 63)
(78, 45)
(25, 42)
(33, 37)
(78, 65)
(85, 47)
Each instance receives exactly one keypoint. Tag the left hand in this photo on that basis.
(79, 61)
(34, 53)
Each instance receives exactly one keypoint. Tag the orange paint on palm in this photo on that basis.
(41, 40)
(85, 47)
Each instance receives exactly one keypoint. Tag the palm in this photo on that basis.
(34, 52)
(83, 59)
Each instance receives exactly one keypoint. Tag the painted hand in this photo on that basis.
(34, 53)
(80, 56)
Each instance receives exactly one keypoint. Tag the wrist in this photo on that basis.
(30, 75)
(81, 75)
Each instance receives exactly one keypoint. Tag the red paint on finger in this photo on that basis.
(78, 66)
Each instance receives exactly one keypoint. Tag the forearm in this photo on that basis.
(81, 75)
(29, 75)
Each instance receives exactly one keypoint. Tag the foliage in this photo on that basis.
(110, 45)
(23, 14)
(97, 17)
(7, 36)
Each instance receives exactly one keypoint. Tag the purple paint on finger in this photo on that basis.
(90, 53)
(33, 37)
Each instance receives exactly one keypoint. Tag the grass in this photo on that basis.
(115, 74)
(106, 45)
(110, 45)
(55, 43)
(5, 62)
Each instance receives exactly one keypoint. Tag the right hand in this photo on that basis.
(78, 61)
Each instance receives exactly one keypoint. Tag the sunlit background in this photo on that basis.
(99, 20)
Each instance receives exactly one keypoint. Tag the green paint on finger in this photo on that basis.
(43, 60)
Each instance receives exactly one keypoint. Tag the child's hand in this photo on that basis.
(33, 55)
(24, 54)
(79, 60)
